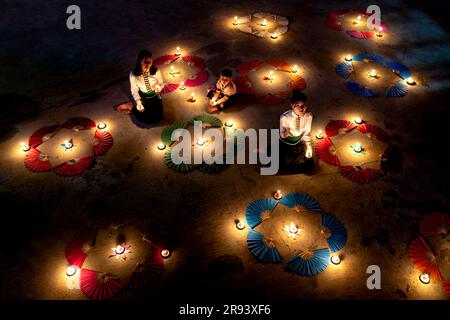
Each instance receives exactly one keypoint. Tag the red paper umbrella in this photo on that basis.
(195, 61)
(74, 166)
(79, 123)
(280, 65)
(37, 161)
(374, 130)
(148, 271)
(98, 285)
(103, 140)
(170, 87)
(360, 34)
(165, 59)
(423, 258)
(41, 135)
(446, 287)
(324, 153)
(273, 99)
(434, 223)
(199, 79)
(333, 24)
(244, 85)
(357, 174)
(334, 14)
(334, 126)
(297, 82)
(76, 247)
(152, 232)
(249, 66)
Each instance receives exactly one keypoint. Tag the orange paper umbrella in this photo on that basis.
(165, 59)
(273, 99)
(244, 86)
(74, 166)
(76, 248)
(357, 174)
(199, 79)
(423, 258)
(170, 87)
(325, 154)
(297, 82)
(334, 127)
(249, 66)
(434, 223)
(37, 161)
(280, 65)
(195, 61)
(41, 135)
(379, 133)
(103, 140)
(80, 123)
(98, 285)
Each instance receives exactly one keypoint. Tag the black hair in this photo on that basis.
(137, 71)
(298, 96)
(226, 73)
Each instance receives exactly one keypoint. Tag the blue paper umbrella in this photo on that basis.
(261, 249)
(359, 90)
(399, 68)
(256, 208)
(300, 199)
(368, 56)
(344, 69)
(310, 263)
(337, 233)
(399, 90)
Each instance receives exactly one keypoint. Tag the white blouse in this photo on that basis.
(227, 89)
(138, 83)
(291, 122)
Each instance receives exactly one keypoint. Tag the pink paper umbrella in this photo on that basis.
(334, 127)
(244, 86)
(74, 166)
(360, 175)
(41, 135)
(195, 61)
(273, 99)
(324, 153)
(79, 123)
(379, 133)
(165, 59)
(249, 66)
(37, 161)
(423, 258)
(280, 65)
(199, 79)
(297, 83)
(77, 247)
(98, 285)
(434, 223)
(103, 141)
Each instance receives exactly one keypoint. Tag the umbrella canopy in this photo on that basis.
(170, 87)
(434, 223)
(256, 208)
(37, 161)
(300, 199)
(337, 235)
(399, 90)
(399, 68)
(98, 285)
(310, 263)
(360, 34)
(360, 175)
(423, 258)
(195, 61)
(344, 69)
(147, 272)
(79, 123)
(297, 82)
(280, 65)
(74, 167)
(273, 99)
(199, 79)
(263, 250)
(76, 248)
(165, 59)
(373, 130)
(103, 141)
(359, 90)
(244, 86)
(334, 127)
(41, 135)
(325, 154)
(249, 66)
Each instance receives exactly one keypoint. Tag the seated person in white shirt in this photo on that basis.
(146, 84)
(295, 130)
(222, 95)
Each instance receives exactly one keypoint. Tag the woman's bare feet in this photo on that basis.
(212, 109)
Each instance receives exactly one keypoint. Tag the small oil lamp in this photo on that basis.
(178, 52)
(240, 225)
(357, 20)
(274, 35)
(68, 144)
(264, 23)
(192, 98)
(379, 34)
(165, 253)
(182, 86)
(319, 135)
(348, 57)
(229, 123)
(410, 81)
(119, 249)
(235, 21)
(200, 142)
(357, 148)
(357, 120)
(71, 270)
(24, 147)
(278, 195)
(294, 69)
(292, 230)
(335, 259)
(161, 146)
(101, 125)
(424, 278)
(373, 73)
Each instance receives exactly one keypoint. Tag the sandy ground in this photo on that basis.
(50, 74)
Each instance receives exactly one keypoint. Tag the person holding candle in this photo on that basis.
(222, 95)
(295, 131)
(146, 83)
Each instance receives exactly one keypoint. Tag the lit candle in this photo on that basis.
(357, 120)
(319, 135)
(292, 230)
(235, 22)
(357, 148)
(24, 147)
(200, 142)
(71, 270)
(348, 57)
(357, 20)
(178, 52)
(274, 35)
(68, 144)
(277, 195)
(193, 97)
(410, 81)
(335, 259)
(270, 76)
(424, 278)
(379, 32)
(161, 146)
(373, 73)
(182, 86)
(229, 123)
(264, 23)
(294, 69)
(240, 225)
(119, 249)
(165, 253)
(101, 125)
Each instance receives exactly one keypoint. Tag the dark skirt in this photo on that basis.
(226, 104)
(153, 109)
(292, 156)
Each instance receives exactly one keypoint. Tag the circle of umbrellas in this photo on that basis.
(346, 69)
(347, 20)
(207, 121)
(327, 152)
(245, 86)
(38, 161)
(99, 285)
(262, 24)
(419, 251)
(197, 79)
(305, 262)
